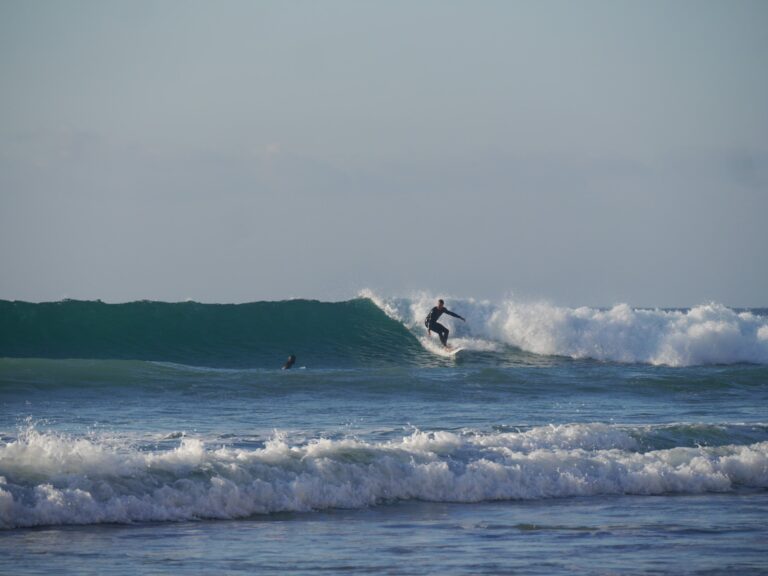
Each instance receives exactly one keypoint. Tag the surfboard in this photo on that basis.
(437, 348)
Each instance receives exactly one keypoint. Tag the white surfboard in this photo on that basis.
(437, 348)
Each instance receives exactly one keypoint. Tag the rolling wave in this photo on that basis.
(374, 331)
(703, 335)
(351, 333)
(48, 478)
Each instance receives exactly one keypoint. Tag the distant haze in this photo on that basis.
(587, 153)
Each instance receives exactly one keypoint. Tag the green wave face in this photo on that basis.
(259, 334)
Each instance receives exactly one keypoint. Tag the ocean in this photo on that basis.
(158, 438)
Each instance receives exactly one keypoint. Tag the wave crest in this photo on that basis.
(374, 331)
(47, 478)
(707, 334)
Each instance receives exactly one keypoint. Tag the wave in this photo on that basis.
(374, 331)
(703, 335)
(48, 478)
(336, 334)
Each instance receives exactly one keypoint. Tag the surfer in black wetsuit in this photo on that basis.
(432, 324)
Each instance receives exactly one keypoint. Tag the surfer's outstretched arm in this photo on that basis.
(446, 311)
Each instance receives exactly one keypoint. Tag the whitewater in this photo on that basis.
(705, 334)
(53, 479)
(150, 437)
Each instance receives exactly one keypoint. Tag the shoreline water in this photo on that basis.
(627, 535)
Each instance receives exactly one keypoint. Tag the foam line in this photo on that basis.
(48, 478)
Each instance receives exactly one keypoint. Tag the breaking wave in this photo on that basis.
(707, 334)
(48, 478)
(375, 331)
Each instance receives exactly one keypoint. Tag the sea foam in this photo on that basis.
(48, 478)
(706, 334)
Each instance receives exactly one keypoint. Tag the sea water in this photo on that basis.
(149, 438)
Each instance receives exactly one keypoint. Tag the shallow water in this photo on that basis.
(620, 535)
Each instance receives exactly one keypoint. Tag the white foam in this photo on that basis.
(412, 311)
(707, 334)
(432, 344)
(46, 478)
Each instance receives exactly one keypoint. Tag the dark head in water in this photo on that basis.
(291, 361)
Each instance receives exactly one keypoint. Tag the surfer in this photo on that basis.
(291, 361)
(432, 324)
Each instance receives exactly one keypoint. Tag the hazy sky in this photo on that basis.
(584, 152)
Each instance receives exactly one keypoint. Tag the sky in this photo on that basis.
(580, 152)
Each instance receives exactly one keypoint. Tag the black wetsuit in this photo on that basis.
(432, 324)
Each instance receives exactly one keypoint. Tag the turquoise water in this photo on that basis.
(155, 458)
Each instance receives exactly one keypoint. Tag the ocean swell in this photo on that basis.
(375, 331)
(258, 334)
